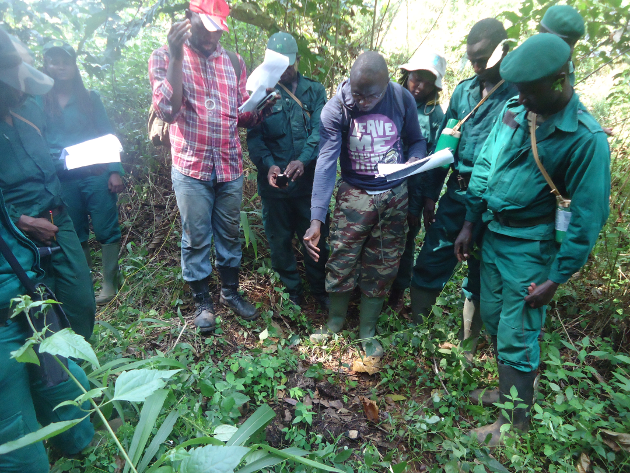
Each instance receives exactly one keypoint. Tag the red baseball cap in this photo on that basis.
(213, 13)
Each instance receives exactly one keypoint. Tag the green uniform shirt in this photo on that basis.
(286, 135)
(28, 179)
(475, 130)
(24, 251)
(506, 180)
(73, 126)
(430, 117)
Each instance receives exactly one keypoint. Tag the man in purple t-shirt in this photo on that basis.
(364, 124)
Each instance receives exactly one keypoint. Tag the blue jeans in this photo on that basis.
(208, 208)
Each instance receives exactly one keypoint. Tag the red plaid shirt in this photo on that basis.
(203, 137)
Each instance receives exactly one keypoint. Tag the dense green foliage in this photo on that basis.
(583, 406)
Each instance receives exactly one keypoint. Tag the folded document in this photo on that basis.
(103, 150)
(264, 77)
(393, 172)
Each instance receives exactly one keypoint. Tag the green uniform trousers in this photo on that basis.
(282, 219)
(68, 276)
(436, 262)
(367, 239)
(27, 404)
(90, 196)
(405, 269)
(509, 265)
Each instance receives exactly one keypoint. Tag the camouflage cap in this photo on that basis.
(563, 21)
(17, 73)
(541, 55)
(285, 44)
(58, 45)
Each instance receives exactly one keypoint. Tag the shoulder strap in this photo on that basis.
(463, 120)
(235, 64)
(294, 98)
(19, 117)
(398, 93)
(17, 267)
(531, 116)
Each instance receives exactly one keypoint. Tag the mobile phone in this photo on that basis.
(262, 104)
(282, 180)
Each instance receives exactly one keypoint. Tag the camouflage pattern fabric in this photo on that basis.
(367, 239)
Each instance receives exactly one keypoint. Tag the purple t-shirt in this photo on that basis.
(361, 140)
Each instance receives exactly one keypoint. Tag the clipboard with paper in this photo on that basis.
(103, 150)
(393, 172)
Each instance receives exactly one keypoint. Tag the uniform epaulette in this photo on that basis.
(586, 119)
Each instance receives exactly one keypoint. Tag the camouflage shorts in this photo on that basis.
(367, 240)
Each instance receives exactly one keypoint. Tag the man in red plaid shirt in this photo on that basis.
(196, 90)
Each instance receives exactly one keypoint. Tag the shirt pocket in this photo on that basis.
(276, 122)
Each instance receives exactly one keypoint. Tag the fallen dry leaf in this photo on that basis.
(288, 400)
(307, 401)
(584, 464)
(370, 408)
(353, 434)
(343, 411)
(322, 402)
(336, 404)
(287, 416)
(616, 440)
(395, 397)
(368, 364)
(446, 345)
(280, 394)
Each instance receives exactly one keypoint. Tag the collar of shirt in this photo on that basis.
(474, 89)
(565, 120)
(216, 53)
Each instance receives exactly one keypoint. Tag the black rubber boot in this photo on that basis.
(488, 396)
(205, 320)
(230, 296)
(518, 417)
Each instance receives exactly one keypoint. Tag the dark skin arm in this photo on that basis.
(462, 243)
(38, 229)
(177, 36)
(428, 212)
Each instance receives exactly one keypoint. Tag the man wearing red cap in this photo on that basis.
(197, 88)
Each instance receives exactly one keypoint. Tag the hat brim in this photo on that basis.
(292, 57)
(213, 23)
(59, 48)
(410, 67)
(27, 79)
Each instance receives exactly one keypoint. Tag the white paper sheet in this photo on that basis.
(264, 76)
(103, 150)
(441, 158)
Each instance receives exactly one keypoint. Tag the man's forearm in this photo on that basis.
(174, 76)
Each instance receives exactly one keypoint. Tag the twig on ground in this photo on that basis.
(437, 373)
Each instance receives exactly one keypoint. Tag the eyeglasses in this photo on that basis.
(367, 98)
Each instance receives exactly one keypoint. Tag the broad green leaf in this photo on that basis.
(91, 394)
(224, 432)
(148, 418)
(270, 460)
(137, 385)
(213, 459)
(160, 437)
(26, 353)
(304, 461)
(492, 464)
(343, 456)
(44, 433)
(259, 419)
(400, 467)
(70, 345)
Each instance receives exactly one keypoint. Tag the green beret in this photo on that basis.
(564, 21)
(539, 56)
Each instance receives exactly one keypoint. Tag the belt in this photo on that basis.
(56, 211)
(524, 222)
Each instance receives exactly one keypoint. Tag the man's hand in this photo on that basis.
(177, 36)
(541, 295)
(428, 212)
(272, 176)
(115, 183)
(462, 244)
(271, 102)
(294, 170)
(413, 159)
(311, 239)
(38, 229)
(413, 220)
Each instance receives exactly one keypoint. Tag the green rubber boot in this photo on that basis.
(487, 396)
(519, 417)
(368, 317)
(336, 316)
(422, 301)
(110, 273)
(88, 256)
